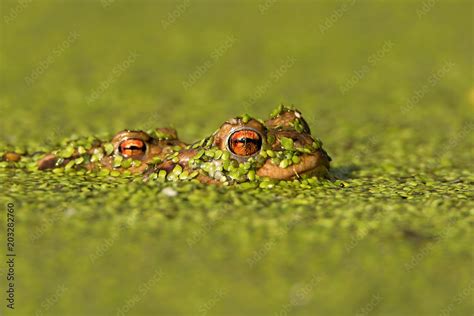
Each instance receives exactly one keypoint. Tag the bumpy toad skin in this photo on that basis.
(131, 151)
(245, 149)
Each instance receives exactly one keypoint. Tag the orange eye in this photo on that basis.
(244, 142)
(132, 148)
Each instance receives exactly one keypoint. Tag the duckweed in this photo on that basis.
(162, 174)
(392, 235)
(109, 148)
(126, 163)
(287, 143)
(67, 152)
(284, 163)
(117, 161)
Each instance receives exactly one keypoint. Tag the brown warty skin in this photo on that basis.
(242, 149)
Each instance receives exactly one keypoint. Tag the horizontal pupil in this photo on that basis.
(245, 143)
(248, 140)
(133, 147)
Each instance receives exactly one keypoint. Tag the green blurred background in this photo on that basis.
(387, 85)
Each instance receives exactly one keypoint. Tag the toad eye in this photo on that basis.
(132, 148)
(244, 142)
